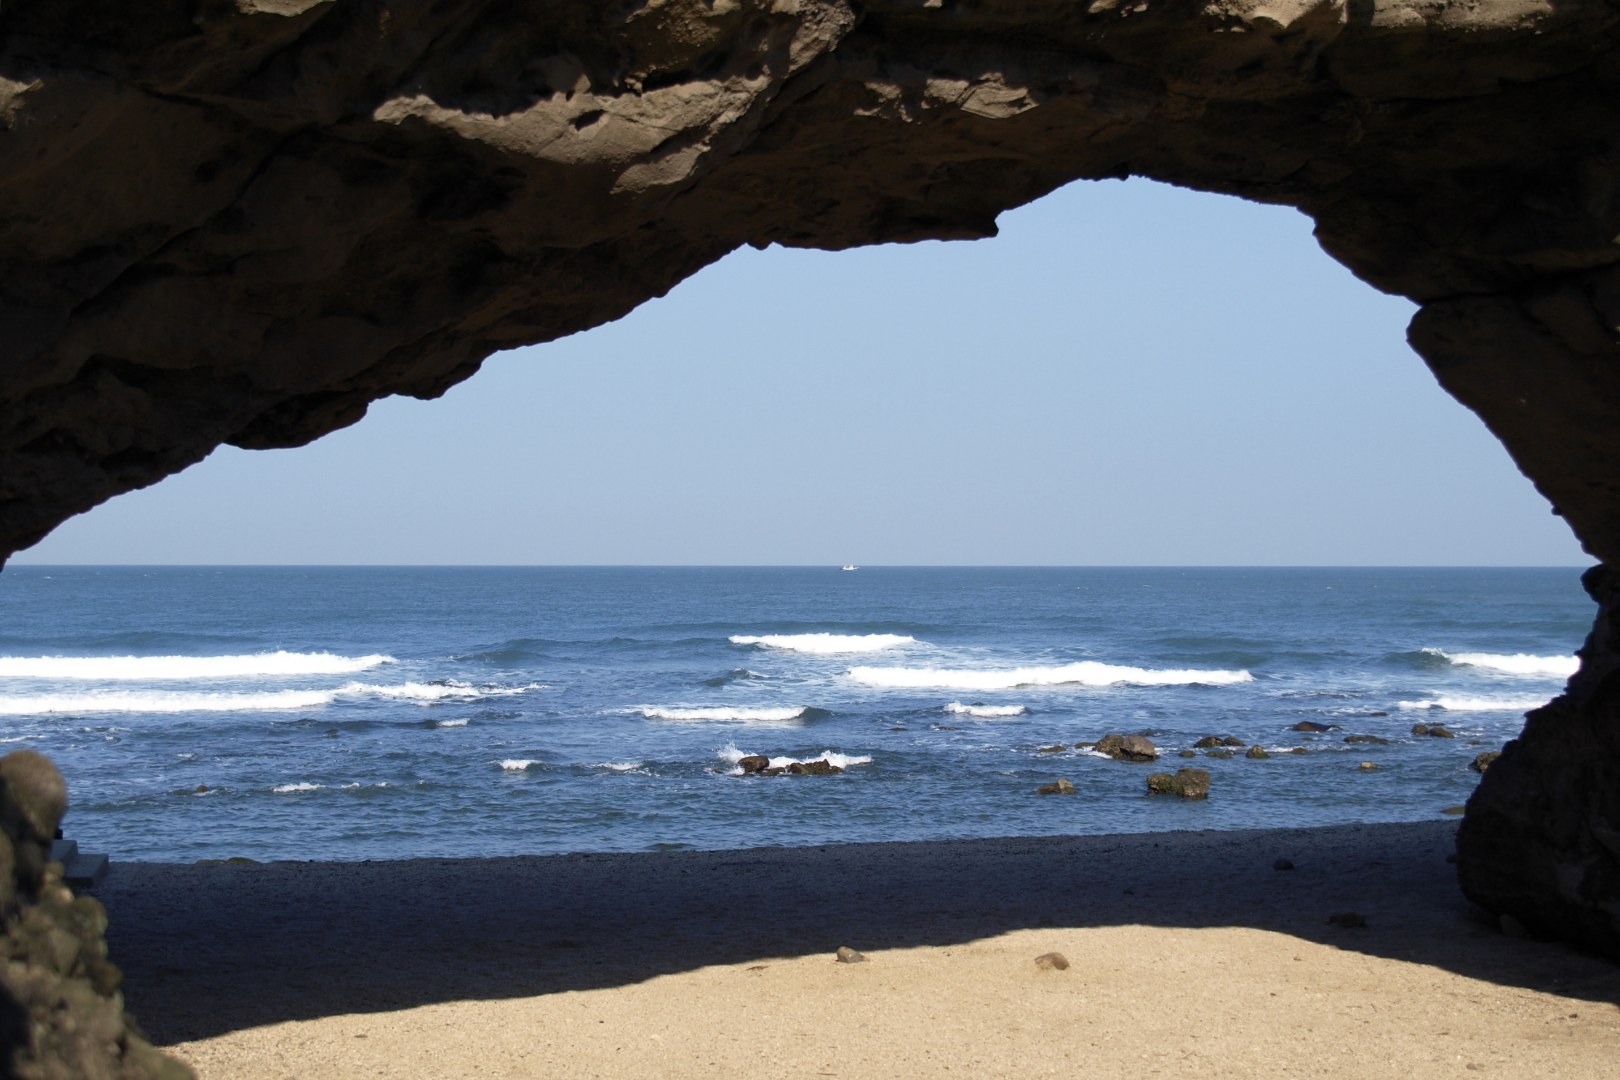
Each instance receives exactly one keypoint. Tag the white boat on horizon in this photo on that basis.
(851, 566)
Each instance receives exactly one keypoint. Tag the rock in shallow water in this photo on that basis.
(1187, 783)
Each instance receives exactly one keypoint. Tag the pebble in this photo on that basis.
(1052, 961)
(847, 955)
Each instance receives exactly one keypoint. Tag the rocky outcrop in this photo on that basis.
(241, 221)
(61, 1012)
(1541, 837)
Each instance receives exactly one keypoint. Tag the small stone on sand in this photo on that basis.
(847, 955)
(1052, 961)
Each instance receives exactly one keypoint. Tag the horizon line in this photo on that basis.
(791, 566)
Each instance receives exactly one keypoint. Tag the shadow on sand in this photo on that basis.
(212, 949)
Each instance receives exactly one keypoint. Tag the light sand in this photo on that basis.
(1189, 955)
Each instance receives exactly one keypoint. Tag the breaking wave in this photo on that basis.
(1475, 704)
(730, 714)
(825, 644)
(985, 712)
(185, 701)
(154, 668)
(1514, 663)
(1084, 673)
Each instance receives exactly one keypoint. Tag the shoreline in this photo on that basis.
(1187, 950)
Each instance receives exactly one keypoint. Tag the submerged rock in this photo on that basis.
(1372, 740)
(753, 763)
(1060, 786)
(1187, 783)
(1483, 760)
(1256, 753)
(1313, 726)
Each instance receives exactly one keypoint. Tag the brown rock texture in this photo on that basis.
(241, 221)
(61, 1011)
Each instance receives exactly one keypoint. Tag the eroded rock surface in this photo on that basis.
(241, 222)
(61, 1012)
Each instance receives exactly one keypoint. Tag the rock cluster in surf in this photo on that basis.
(61, 1012)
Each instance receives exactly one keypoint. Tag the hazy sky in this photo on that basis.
(1129, 374)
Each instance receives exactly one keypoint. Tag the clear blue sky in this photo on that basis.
(1129, 374)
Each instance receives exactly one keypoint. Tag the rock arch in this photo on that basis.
(240, 221)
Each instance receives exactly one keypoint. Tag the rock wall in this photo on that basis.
(241, 222)
(61, 1012)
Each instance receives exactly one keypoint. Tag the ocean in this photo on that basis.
(339, 713)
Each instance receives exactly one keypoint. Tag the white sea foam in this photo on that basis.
(448, 690)
(621, 766)
(826, 644)
(517, 764)
(302, 785)
(154, 668)
(1083, 673)
(1515, 663)
(160, 701)
(188, 701)
(985, 712)
(726, 714)
(451, 723)
(1476, 704)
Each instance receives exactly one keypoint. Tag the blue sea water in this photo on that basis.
(366, 713)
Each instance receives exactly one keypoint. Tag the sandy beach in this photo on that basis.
(1188, 954)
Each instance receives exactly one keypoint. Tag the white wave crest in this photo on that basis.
(1476, 704)
(451, 723)
(826, 644)
(726, 714)
(621, 766)
(517, 764)
(161, 701)
(302, 785)
(155, 668)
(448, 690)
(1526, 664)
(188, 701)
(1084, 673)
(985, 712)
